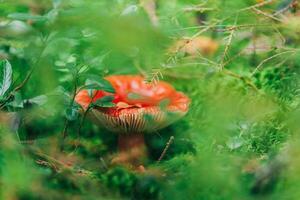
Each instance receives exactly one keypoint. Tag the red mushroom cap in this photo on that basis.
(137, 105)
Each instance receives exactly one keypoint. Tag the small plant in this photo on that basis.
(64, 63)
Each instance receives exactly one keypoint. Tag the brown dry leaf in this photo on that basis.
(201, 44)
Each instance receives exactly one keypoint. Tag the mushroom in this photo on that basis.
(138, 109)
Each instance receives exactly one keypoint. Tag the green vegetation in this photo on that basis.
(237, 60)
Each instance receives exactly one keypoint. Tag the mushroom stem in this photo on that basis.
(132, 150)
(129, 141)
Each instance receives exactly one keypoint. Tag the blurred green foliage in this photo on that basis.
(239, 139)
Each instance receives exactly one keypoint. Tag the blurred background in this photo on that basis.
(237, 60)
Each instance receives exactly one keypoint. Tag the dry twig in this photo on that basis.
(166, 149)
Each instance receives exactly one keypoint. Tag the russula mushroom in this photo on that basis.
(138, 109)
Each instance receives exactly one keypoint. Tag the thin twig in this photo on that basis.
(248, 82)
(227, 46)
(197, 8)
(57, 165)
(166, 149)
(183, 76)
(282, 38)
(204, 30)
(234, 57)
(257, 5)
(270, 58)
(223, 28)
(82, 122)
(266, 14)
(154, 76)
(235, 13)
(66, 124)
(290, 5)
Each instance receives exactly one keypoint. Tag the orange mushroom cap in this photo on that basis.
(137, 105)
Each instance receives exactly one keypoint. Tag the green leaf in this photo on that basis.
(129, 10)
(104, 102)
(14, 28)
(39, 100)
(106, 99)
(92, 86)
(107, 105)
(27, 16)
(6, 77)
(98, 83)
